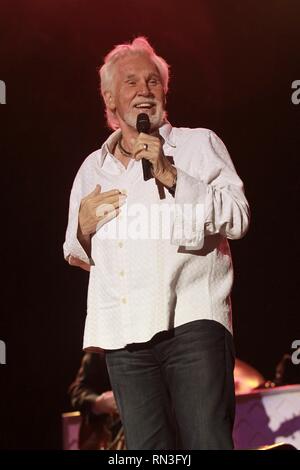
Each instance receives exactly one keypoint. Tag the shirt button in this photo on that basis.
(121, 273)
(124, 300)
(120, 244)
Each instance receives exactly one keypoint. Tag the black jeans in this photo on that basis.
(177, 390)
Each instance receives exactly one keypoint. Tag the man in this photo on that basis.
(159, 288)
(91, 394)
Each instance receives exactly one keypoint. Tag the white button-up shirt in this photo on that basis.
(163, 261)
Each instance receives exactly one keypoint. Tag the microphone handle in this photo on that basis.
(146, 169)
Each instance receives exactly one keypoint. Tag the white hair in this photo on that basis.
(139, 45)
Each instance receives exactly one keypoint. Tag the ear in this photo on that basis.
(109, 100)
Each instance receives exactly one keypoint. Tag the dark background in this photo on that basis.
(232, 66)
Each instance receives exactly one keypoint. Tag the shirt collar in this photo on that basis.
(165, 131)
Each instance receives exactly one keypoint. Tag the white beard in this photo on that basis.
(156, 119)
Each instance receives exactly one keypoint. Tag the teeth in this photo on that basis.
(143, 105)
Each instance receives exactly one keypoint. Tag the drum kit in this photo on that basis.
(246, 378)
(110, 436)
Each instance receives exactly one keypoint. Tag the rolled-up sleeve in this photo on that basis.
(211, 201)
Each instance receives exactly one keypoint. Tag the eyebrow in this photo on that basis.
(130, 76)
(151, 75)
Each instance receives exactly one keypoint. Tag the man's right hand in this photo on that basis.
(97, 208)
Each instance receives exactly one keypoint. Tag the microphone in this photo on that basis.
(143, 125)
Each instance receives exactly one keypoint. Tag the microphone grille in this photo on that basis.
(143, 123)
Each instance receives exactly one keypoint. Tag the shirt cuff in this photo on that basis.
(75, 249)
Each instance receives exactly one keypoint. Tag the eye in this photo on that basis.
(131, 82)
(153, 81)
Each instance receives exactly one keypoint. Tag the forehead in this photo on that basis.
(138, 64)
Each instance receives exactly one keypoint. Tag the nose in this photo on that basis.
(144, 89)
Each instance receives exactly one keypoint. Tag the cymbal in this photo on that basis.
(246, 378)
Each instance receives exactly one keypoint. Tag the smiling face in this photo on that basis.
(137, 89)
